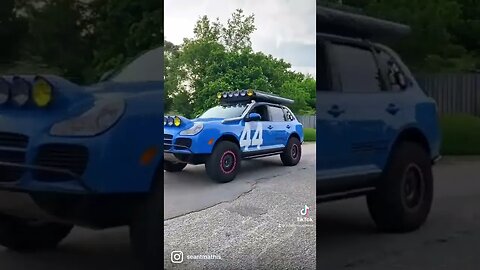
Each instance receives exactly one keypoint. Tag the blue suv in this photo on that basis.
(82, 155)
(378, 132)
(247, 124)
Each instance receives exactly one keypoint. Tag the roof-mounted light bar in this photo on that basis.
(248, 95)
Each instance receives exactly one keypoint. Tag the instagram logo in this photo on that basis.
(176, 257)
(304, 211)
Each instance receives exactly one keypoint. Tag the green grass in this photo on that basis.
(460, 135)
(310, 134)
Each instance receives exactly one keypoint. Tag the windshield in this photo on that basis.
(225, 111)
(146, 68)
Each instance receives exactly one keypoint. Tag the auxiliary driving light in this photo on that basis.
(177, 121)
(170, 121)
(250, 92)
(219, 95)
(20, 91)
(165, 120)
(42, 92)
(4, 91)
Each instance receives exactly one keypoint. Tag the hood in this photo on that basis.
(208, 120)
(124, 88)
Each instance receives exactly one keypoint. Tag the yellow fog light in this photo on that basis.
(177, 121)
(219, 95)
(42, 92)
(249, 92)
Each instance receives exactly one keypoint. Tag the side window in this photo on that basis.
(357, 69)
(395, 76)
(263, 111)
(276, 114)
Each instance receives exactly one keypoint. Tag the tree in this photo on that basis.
(57, 36)
(445, 33)
(122, 29)
(218, 58)
(12, 31)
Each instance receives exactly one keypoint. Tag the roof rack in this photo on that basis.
(241, 96)
(342, 23)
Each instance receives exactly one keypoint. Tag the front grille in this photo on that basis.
(68, 157)
(12, 150)
(13, 140)
(183, 143)
(167, 141)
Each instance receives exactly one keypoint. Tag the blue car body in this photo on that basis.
(121, 159)
(362, 116)
(112, 157)
(195, 149)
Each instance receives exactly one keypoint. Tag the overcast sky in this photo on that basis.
(285, 28)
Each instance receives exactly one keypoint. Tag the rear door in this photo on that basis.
(369, 104)
(278, 126)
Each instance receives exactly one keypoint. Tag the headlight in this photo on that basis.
(197, 127)
(20, 91)
(42, 92)
(103, 115)
(4, 91)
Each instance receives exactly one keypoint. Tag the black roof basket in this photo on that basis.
(342, 23)
(235, 97)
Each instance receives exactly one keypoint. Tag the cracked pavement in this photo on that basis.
(249, 223)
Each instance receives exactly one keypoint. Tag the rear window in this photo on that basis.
(276, 114)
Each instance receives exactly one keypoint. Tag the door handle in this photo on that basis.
(270, 127)
(392, 109)
(335, 111)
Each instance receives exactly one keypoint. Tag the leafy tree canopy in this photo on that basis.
(220, 58)
(78, 39)
(445, 33)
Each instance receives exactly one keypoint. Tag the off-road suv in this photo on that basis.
(378, 133)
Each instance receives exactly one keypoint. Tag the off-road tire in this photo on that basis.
(293, 152)
(28, 236)
(403, 198)
(173, 167)
(146, 227)
(224, 163)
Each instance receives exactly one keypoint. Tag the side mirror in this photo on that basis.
(253, 117)
(107, 75)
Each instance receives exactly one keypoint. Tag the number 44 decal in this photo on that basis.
(257, 139)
